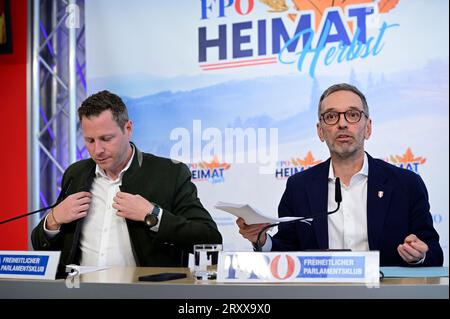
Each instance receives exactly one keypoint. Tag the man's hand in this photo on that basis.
(73, 207)
(413, 249)
(251, 232)
(133, 207)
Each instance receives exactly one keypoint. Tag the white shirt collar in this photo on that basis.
(363, 172)
(101, 172)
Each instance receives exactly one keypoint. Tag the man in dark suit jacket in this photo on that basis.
(384, 207)
(122, 206)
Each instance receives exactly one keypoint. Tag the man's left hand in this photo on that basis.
(133, 207)
(413, 249)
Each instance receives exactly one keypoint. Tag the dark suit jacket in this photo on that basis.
(402, 210)
(184, 222)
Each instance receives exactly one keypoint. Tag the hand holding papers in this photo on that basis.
(251, 215)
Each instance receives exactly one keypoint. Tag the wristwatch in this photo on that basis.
(151, 219)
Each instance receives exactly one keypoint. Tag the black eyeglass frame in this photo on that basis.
(345, 116)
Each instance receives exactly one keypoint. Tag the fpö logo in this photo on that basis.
(291, 266)
(408, 161)
(300, 33)
(288, 168)
(212, 172)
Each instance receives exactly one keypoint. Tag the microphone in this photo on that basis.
(337, 199)
(337, 193)
(64, 194)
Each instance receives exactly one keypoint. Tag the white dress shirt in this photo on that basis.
(104, 238)
(347, 228)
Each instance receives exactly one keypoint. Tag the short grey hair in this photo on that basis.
(344, 87)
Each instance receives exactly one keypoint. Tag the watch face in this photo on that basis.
(151, 220)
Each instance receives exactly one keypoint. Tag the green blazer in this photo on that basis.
(185, 222)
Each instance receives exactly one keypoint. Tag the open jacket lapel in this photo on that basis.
(378, 199)
(79, 223)
(318, 197)
(131, 172)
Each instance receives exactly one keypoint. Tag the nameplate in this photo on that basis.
(29, 264)
(252, 267)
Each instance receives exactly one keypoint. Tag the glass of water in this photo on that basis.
(205, 261)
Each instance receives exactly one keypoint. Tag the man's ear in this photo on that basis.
(128, 128)
(320, 131)
(368, 130)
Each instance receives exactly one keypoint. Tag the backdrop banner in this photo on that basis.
(231, 88)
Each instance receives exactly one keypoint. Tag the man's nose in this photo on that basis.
(98, 147)
(342, 122)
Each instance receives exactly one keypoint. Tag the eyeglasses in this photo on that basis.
(351, 116)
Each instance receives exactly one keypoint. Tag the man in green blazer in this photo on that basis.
(123, 207)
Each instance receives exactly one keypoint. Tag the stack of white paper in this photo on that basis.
(250, 215)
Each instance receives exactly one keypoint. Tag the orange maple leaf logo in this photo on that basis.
(386, 5)
(214, 164)
(408, 157)
(319, 7)
(307, 161)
